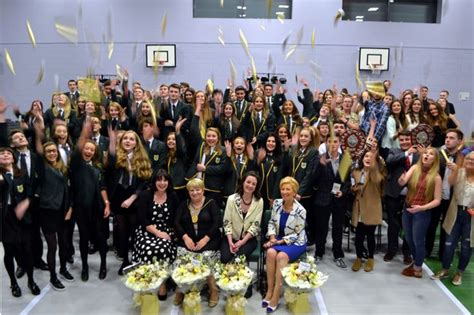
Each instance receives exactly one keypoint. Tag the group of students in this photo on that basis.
(137, 155)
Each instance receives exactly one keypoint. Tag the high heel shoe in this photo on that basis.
(265, 303)
(271, 309)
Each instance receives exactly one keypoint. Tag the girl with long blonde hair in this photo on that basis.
(424, 193)
(132, 168)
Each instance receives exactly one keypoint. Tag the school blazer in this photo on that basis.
(294, 232)
(19, 189)
(237, 172)
(217, 168)
(260, 130)
(156, 154)
(302, 168)
(272, 171)
(324, 180)
(396, 166)
(176, 166)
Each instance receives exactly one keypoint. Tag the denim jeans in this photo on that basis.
(461, 229)
(415, 226)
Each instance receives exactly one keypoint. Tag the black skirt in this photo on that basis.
(51, 220)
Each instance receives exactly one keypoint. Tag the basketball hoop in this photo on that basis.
(376, 68)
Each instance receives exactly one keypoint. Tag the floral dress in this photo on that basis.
(148, 246)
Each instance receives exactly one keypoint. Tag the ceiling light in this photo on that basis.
(280, 13)
(239, 7)
(244, 8)
(359, 20)
(373, 9)
(284, 6)
(359, 17)
(244, 15)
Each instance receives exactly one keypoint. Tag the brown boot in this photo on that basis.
(357, 264)
(213, 292)
(369, 266)
(178, 298)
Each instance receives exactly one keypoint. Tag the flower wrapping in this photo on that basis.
(235, 305)
(190, 272)
(148, 302)
(147, 278)
(301, 278)
(192, 303)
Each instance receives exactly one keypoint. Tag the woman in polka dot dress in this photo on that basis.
(156, 207)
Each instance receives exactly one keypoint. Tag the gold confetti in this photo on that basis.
(269, 60)
(220, 37)
(443, 153)
(68, 32)
(313, 38)
(285, 42)
(222, 3)
(357, 77)
(119, 72)
(221, 40)
(233, 71)
(290, 52)
(244, 42)
(254, 69)
(345, 165)
(8, 60)
(210, 85)
(339, 15)
(110, 48)
(30, 33)
(375, 87)
(299, 35)
(269, 8)
(164, 22)
(316, 70)
(281, 18)
(40, 76)
(262, 27)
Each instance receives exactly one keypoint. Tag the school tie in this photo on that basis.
(61, 113)
(407, 163)
(125, 179)
(23, 165)
(114, 123)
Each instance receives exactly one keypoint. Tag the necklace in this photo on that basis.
(246, 203)
(195, 212)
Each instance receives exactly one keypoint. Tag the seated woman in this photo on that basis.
(154, 236)
(243, 213)
(197, 224)
(287, 239)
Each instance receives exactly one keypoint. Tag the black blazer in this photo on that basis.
(70, 121)
(176, 166)
(182, 110)
(324, 179)
(302, 167)
(53, 188)
(156, 154)
(237, 172)
(260, 130)
(271, 172)
(396, 166)
(87, 182)
(33, 177)
(19, 189)
(209, 223)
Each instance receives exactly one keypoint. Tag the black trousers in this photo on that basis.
(36, 240)
(89, 227)
(246, 250)
(363, 231)
(437, 215)
(322, 226)
(308, 204)
(393, 208)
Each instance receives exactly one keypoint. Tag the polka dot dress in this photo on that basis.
(148, 246)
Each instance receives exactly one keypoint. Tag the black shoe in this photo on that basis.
(66, 275)
(41, 265)
(122, 267)
(20, 272)
(162, 297)
(70, 259)
(16, 291)
(388, 256)
(248, 293)
(57, 285)
(102, 273)
(92, 249)
(85, 274)
(35, 290)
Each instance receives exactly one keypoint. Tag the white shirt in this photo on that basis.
(27, 154)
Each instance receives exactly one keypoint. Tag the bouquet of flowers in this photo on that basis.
(190, 274)
(145, 281)
(234, 278)
(301, 278)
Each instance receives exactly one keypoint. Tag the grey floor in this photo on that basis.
(383, 291)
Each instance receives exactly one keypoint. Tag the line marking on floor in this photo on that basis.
(36, 300)
(451, 296)
(174, 310)
(320, 301)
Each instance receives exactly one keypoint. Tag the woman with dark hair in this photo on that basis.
(396, 123)
(415, 115)
(189, 96)
(242, 216)
(289, 116)
(154, 235)
(228, 123)
(440, 122)
(269, 161)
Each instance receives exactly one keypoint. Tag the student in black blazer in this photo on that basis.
(175, 163)
(258, 122)
(62, 111)
(90, 201)
(211, 165)
(270, 165)
(53, 205)
(241, 157)
(288, 115)
(131, 170)
(16, 217)
(175, 109)
(155, 148)
(398, 161)
(115, 118)
(228, 123)
(331, 199)
(302, 165)
(241, 105)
